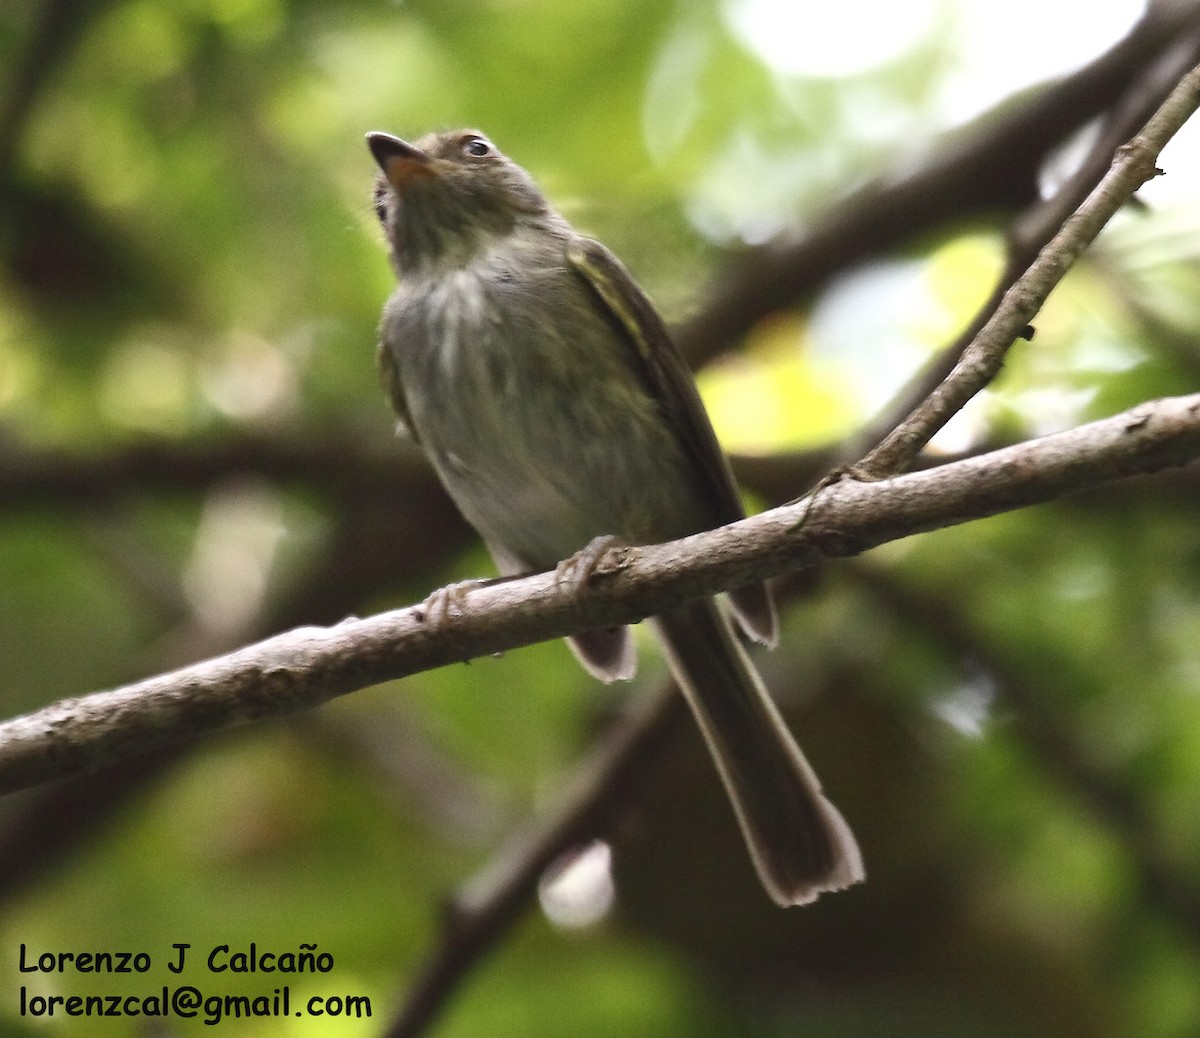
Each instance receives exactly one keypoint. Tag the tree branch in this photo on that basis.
(980, 363)
(309, 666)
(68, 479)
(480, 913)
(1032, 230)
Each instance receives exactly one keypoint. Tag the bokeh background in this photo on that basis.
(195, 452)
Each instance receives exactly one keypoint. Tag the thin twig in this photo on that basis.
(1033, 229)
(1133, 165)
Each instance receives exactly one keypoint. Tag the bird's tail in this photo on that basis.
(799, 842)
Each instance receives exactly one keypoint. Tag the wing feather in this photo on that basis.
(670, 382)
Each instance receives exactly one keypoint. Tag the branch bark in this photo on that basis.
(308, 666)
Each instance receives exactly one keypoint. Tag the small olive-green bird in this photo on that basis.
(547, 393)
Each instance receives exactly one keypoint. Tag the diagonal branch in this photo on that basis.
(980, 363)
(481, 912)
(308, 666)
(1032, 230)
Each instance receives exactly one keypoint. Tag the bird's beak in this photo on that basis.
(398, 159)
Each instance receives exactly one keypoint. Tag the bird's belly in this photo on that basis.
(540, 483)
(541, 427)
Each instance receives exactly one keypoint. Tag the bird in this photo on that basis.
(546, 391)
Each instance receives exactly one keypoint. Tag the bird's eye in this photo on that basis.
(477, 147)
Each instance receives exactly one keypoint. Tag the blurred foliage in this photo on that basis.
(1007, 712)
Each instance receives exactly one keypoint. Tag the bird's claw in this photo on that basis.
(587, 563)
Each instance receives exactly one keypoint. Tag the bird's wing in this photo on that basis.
(394, 388)
(665, 372)
(670, 382)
